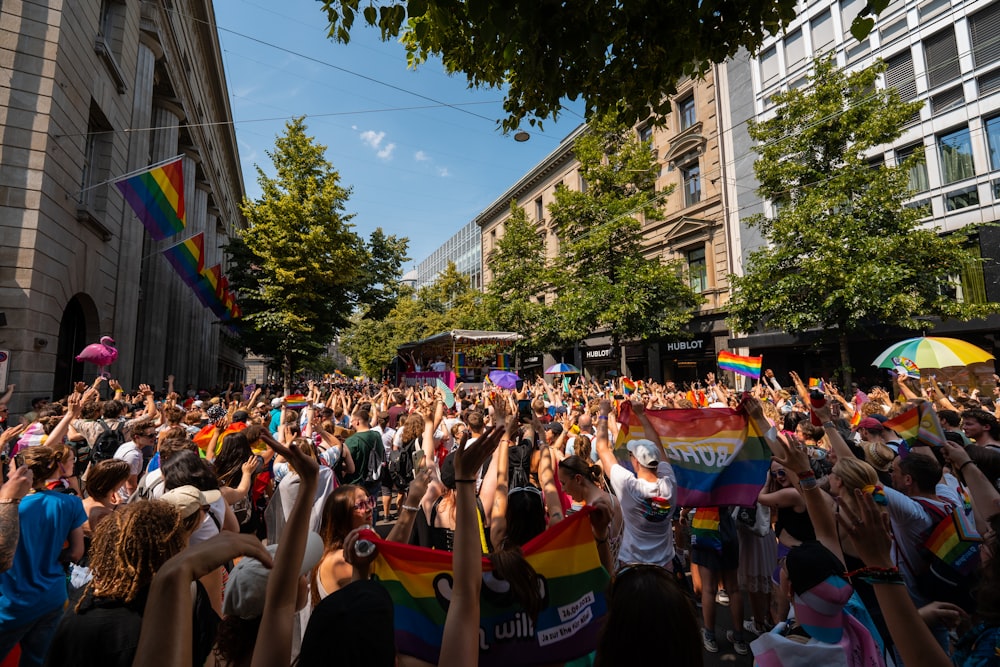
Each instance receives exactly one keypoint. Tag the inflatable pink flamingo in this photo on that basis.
(101, 354)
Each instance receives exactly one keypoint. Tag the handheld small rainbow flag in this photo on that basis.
(954, 541)
(817, 384)
(419, 581)
(295, 401)
(157, 197)
(203, 437)
(628, 386)
(918, 426)
(856, 418)
(748, 366)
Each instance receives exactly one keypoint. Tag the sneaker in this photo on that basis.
(752, 627)
(722, 597)
(708, 641)
(739, 645)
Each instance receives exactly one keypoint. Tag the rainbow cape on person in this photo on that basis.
(565, 557)
(717, 454)
(748, 366)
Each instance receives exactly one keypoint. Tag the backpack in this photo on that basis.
(107, 443)
(376, 459)
(400, 464)
(950, 551)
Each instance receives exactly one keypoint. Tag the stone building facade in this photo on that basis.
(91, 91)
(693, 230)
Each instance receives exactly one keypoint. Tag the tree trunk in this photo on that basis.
(286, 373)
(845, 363)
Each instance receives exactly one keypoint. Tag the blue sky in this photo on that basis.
(418, 167)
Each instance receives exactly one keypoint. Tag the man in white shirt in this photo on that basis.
(646, 496)
(131, 453)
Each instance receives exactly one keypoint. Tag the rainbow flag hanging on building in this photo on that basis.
(717, 455)
(918, 426)
(188, 258)
(458, 362)
(157, 197)
(565, 557)
(748, 366)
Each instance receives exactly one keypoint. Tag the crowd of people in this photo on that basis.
(157, 529)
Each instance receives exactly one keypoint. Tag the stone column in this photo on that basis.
(196, 355)
(157, 274)
(130, 252)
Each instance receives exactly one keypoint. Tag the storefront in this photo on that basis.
(688, 359)
(601, 362)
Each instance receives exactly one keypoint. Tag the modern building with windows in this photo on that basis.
(92, 91)
(464, 249)
(944, 53)
(689, 158)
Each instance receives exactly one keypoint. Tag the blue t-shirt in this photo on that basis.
(36, 583)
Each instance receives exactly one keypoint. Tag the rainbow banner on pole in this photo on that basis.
(565, 557)
(157, 197)
(918, 426)
(717, 454)
(748, 366)
(503, 362)
(188, 258)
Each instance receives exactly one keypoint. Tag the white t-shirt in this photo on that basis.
(130, 453)
(910, 522)
(647, 508)
(208, 529)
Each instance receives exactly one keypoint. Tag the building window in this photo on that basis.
(893, 31)
(849, 10)
(822, 32)
(697, 269)
(96, 163)
(947, 100)
(539, 210)
(899, 75)
(795, 51)
(963, 198)
(768, 66)
(691, 179)
(646, 133)
(941, 57)
(686, 112)
(955, 150)
(984, 28)
(993, 139)
(583, 183)
(918, 172)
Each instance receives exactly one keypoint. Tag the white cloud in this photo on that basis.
(372, 138)
(421, 156)
(443, 172)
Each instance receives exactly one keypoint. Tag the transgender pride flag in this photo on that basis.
(717, 455)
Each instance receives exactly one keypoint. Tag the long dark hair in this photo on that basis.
(233, 454)
(185, 468)
(577, 465)
(642, 601)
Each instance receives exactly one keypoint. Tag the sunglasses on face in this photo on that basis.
(778, 473)
(363, 505)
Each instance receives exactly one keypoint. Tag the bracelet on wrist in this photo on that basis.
(878, 575)
(410, 508)
(962, 467)
(604, 541)
(10, 501)
(808, 484)
(829, 423)
(806, 474)
(602, 417)
(465, 481)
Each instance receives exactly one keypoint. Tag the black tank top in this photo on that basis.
(796, 524)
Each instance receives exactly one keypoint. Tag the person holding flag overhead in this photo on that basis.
(646, 496)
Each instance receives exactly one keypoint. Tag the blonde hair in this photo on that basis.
(855, 474)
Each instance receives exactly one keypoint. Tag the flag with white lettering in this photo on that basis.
(717, 455)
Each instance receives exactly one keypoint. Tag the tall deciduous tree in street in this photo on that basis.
(843, 251)
(515, 297)
(299, 267)
(602, 277)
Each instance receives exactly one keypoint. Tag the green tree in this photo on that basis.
(298, 267)
(843, 251)
(608, 53)
(603, 279)
(447, 303)
(515, 298)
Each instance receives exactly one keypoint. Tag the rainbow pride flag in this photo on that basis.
(856, 417)
(628, 387)
(705, 529)
(565, 557)
(817, 383)
(295, 401)
(157, 197)
(748, 366)
(204, 437)
(717, 455)
(458, 363)
(918, 426)
(954, 540)
(188, 258)
(503, 362)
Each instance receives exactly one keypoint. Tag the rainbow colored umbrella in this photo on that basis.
(932, 352)
(562, 369)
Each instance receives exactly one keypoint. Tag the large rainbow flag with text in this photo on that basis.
(565, 558)
(717, 455)
(157, 197)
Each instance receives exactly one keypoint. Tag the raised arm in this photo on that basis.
(601, 441)
(647, 428)
(73, 409)
(546, 477)
(985, 497)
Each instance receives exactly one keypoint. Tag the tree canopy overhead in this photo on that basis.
(299, 267)
(844, 251)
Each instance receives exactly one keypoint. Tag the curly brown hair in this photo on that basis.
(131, 545)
